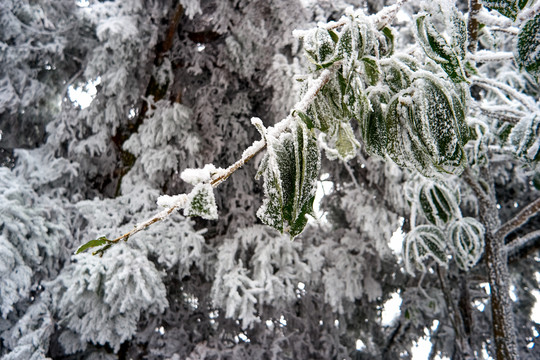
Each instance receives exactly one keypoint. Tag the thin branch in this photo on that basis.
(180, 201)
(530, 12)
(521, 218)
(484, 56)
(525, 100)
(502, 113)
(521, 242)
(472, 24)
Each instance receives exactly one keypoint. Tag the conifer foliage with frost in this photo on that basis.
(419, 121)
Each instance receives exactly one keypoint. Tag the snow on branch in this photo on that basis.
(217, 176)
(491, 84)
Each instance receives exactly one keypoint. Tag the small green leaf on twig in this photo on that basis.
(92, 243)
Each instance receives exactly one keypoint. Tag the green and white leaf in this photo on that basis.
(439, 203)
(466, 241)
(422, 243)
(201, 202)
(448, 55)
(525, 138)
(290, 169)
(528, 46)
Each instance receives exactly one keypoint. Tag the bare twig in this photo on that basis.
(521, 218)
(472, 24)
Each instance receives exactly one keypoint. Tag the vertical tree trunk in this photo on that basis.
(501, 308)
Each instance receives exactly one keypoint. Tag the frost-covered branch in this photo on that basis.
(180, 201)
(490, 56)
(472, 24)
(521, 218)
(491, 84)
(530, 12)
(521, 242)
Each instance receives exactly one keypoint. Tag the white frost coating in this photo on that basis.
(196, 176)
(167, 201)
(489, 56)
(525, 100)
(492, 18)
(205, 206)
(529, 13)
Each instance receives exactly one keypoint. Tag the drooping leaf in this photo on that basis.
(438, 203)
(420, 244)
(373, 125)
(525, 137)
(508, 8)
(291, 167)
(466, 241)
(92, 243)
(346, 143)
(201, 202)
(371, 70)
(435, 46)
(436, 125)
(528, 46)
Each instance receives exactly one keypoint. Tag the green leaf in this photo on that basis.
(438, 203)
(508, 8)
(403, 146)
(525, 137)
(396, 75)
(346, 143)
(466, 241)
(333, 35)
(420, 244)
(92, 243)
(387, 48)
(448, 56)
(371, 70)
(373, 125)
(528, 46)
(201, 202)
(436, 126)
(290, 175)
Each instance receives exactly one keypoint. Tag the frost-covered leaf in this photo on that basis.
(466, 241)
(373, 126)
(346, 143)
(448, 56)
(438, 203)
(371, 70)
(525, 137)
(420, 244)
(201, 202)
(290, 171)
(528, 46)
(435, 123)
(508, 8)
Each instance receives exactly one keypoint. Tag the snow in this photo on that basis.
(196, 176)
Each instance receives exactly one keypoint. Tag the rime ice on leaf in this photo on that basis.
(528, 46)
(437, 126)
(447, 55)
(524, 138)
(420, 244)
(290, 170)
(466, 241)
(438, 202)
(201, 202)
(508, 8)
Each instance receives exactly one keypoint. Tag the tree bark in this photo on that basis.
(496, 262)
